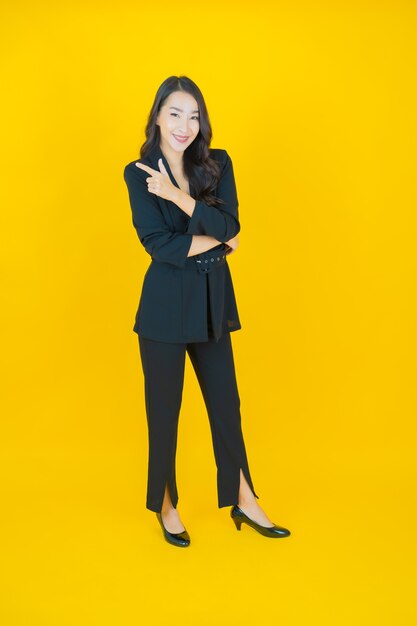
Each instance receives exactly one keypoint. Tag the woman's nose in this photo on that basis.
(183, 128)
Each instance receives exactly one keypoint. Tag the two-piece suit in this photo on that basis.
(178, 290)
(187, 305)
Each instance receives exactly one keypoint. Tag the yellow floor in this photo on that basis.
(81, 549)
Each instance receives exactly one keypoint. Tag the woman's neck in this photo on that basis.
(175, 159)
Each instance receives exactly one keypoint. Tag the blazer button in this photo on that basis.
(218, 258)
(206, 261)
(212, 260)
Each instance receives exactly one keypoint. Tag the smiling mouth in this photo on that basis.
(180, 139)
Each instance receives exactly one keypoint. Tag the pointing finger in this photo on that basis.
(148, 169)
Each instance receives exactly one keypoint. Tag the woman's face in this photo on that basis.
(178, 120)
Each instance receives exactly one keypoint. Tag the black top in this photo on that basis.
(183, 298)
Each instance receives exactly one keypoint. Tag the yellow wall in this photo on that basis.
(325, 92)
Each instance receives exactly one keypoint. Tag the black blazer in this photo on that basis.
(177, 289)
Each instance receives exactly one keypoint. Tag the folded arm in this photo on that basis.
(221, 223)
(153, 231)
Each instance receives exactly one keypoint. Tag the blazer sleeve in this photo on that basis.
(220, 223)
(153, 231)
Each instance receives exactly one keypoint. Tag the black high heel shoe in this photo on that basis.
(238, 516)
(177, 539)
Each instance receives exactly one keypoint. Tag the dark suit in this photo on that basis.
(178, 290)
(187, 305)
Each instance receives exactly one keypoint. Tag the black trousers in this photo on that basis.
(163, 368)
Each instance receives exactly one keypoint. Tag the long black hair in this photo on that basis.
(202, 171)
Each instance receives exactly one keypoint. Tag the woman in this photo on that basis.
(185, 211)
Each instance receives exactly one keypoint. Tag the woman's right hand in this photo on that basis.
(233, 244)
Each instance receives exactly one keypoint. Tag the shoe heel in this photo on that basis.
(238, 522)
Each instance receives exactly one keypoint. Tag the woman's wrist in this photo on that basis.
(202, 243)
(183, 200)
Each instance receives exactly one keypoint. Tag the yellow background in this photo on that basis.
(316, 104)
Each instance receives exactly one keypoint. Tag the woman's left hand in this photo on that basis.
(159, 183)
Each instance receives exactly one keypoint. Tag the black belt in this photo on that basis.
(209, 260)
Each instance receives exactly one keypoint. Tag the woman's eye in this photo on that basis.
(195, 117)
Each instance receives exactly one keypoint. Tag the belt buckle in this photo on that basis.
(205, 265)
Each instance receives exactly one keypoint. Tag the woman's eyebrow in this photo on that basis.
(196, 111)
